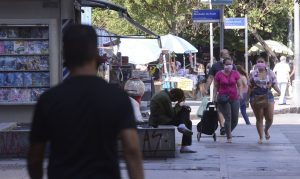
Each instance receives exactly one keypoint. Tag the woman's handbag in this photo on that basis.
(223, 99)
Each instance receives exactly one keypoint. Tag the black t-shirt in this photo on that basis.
(216, 67)
(81, 118)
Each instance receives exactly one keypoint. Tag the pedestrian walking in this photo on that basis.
(215, 68)
(162, 113)
(262, 80)
(244, 99)
(282, 71)
(228, 93)
(82, 118)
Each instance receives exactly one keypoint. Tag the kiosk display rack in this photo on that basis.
(24, 63)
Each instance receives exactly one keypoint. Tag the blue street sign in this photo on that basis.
(217, 1)
(206, 15)
(235, 23)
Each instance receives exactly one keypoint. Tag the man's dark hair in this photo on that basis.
(177, 94)
(79, 45)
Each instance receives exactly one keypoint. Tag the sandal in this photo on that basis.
(267, 135)
(260, 141)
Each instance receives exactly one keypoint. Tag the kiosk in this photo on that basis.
(30, 49)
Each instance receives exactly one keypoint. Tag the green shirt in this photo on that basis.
(161, 110)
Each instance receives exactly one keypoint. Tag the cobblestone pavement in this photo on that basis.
(278, 158)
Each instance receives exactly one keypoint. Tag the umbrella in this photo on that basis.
(275, 46)
(139, 51)
(176, 44)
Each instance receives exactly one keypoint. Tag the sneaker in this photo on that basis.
(222, 131)
(186, 149)
(185, 131)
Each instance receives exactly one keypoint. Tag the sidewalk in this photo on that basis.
(278, 158)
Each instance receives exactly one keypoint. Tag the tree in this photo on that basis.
(269, 17)
(161, 16)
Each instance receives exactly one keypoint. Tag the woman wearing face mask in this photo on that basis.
(262, 80)
(228, 85)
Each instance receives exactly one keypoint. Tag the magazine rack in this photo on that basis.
(24, 63)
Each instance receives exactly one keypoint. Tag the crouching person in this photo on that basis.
(162, 113)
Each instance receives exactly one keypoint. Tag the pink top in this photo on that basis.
(228, 84)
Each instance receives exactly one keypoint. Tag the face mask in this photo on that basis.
(228, 67)
(261, 66)
(181, 103)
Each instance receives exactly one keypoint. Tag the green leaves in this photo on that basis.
(269, 17)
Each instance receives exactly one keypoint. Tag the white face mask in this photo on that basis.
(228, 67)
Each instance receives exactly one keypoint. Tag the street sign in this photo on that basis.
(227, 2)
(206, 15)
(235, 23)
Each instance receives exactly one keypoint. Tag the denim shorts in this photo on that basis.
(262, 91)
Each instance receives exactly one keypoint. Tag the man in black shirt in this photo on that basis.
(216, 67)
(82, 118)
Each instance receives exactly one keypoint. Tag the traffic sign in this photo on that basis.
(206, 15)
(235, 23)
(227, 2)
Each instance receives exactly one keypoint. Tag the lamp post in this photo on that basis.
(296, 92)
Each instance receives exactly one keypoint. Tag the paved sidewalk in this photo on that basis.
(278, 158)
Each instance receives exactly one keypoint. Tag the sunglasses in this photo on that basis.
(260, 61)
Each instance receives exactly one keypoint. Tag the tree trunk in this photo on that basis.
(174, 28)
(265, 46)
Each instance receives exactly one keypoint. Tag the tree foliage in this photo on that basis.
(161, 16)
(269, 17)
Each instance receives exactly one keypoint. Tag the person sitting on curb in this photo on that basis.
(162, 113)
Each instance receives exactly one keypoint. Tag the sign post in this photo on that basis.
(239, 23)
(217, 2)
(205, 16)
(211, 42)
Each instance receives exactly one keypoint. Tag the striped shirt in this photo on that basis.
(267, 82)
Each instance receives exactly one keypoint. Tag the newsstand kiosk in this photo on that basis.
(30, 58)
(30, 49)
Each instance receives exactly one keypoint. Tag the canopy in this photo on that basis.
(176, 44)
(275, 46)
(139, 51)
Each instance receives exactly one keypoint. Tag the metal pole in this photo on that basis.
(211, 34)
(222, 28)
(246, 44)
(184, 62)
(296, 91)
(195, 60)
